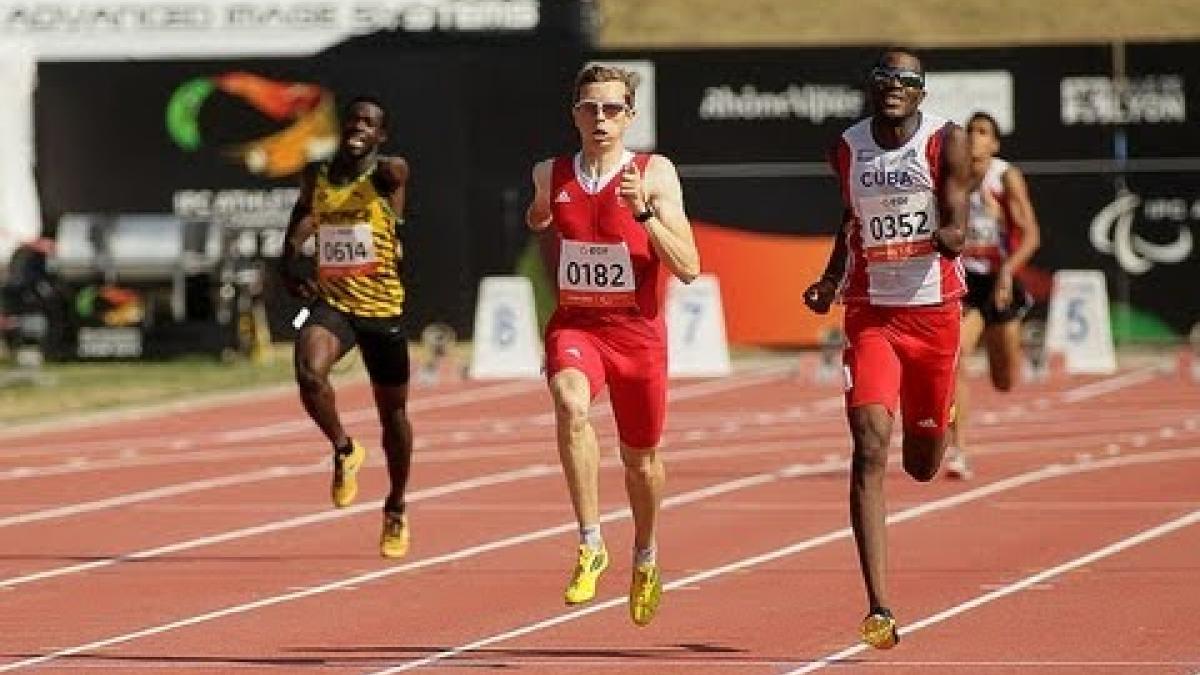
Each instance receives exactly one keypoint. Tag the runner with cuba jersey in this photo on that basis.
(904, 178)
(898, 285)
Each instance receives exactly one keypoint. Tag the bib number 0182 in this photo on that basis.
(598, 275)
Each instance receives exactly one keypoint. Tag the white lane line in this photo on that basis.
(1019, 585)
(533, 471)
(1003, 485)
(291, 425)
(289, 523)
(472, 395)
(1107, 386)
(745, 449)
(249, 434)
(635, 661)
(162, 493)
(461, 554)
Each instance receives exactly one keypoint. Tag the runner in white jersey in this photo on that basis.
(1002, 235)
(904, 177)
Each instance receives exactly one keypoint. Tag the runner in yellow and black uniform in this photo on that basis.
(352, 206)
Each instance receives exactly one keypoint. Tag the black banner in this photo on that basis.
(748, 129)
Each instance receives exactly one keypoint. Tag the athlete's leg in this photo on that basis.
(872, 372)
(576, 373)
(384, 347)
(637, 388)
(579, 453)
(326, 337)
(645, 476)
(930, 358)
(972, 330)
(391, 402)
(871, 429)
(323, 340)
(638, 392)
(578, 449)
(1003, 343)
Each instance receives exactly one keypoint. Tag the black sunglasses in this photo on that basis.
(882, 76)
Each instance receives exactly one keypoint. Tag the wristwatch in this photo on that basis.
(644, 215)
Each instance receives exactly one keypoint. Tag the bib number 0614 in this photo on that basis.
(344, 251)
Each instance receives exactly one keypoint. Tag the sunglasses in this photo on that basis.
(609, 109)
(882, 76)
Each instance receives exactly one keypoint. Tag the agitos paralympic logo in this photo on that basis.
(307, 109)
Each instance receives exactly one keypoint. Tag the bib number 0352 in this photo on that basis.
(899, 225)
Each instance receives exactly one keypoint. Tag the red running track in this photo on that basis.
(198, 539)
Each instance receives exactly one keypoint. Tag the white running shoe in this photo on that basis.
(957, 466)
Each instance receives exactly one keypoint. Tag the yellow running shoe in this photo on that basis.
(879, 629)
(592, 563)
(393, 542)
(345, 474)
(644, 593)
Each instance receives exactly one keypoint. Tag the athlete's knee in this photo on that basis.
(397, 433)
(310, 376)
(921, 457)
(920, 470)
(869, 440)
(643, 462)
(571, 411)
(870, 452)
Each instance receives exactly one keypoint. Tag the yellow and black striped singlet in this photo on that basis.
(356, 247)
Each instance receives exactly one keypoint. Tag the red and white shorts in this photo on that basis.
(905, 356)
(632, 362)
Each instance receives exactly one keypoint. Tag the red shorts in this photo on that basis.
(633, 363)
(905, 354)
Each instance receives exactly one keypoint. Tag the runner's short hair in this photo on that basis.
(598, 72)
(370, 99)
(986, 117)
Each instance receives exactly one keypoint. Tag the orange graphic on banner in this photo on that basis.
(763, 278)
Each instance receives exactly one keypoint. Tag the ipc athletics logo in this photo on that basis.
(310, 110)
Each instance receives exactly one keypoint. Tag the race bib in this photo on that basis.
(983, 244)
(897, 226)
(595, 275)
(346, 251)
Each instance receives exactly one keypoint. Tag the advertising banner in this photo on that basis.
(1102, 135)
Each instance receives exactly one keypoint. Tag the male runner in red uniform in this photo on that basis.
(619, 223)
(904, 177)
(1002, 235)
